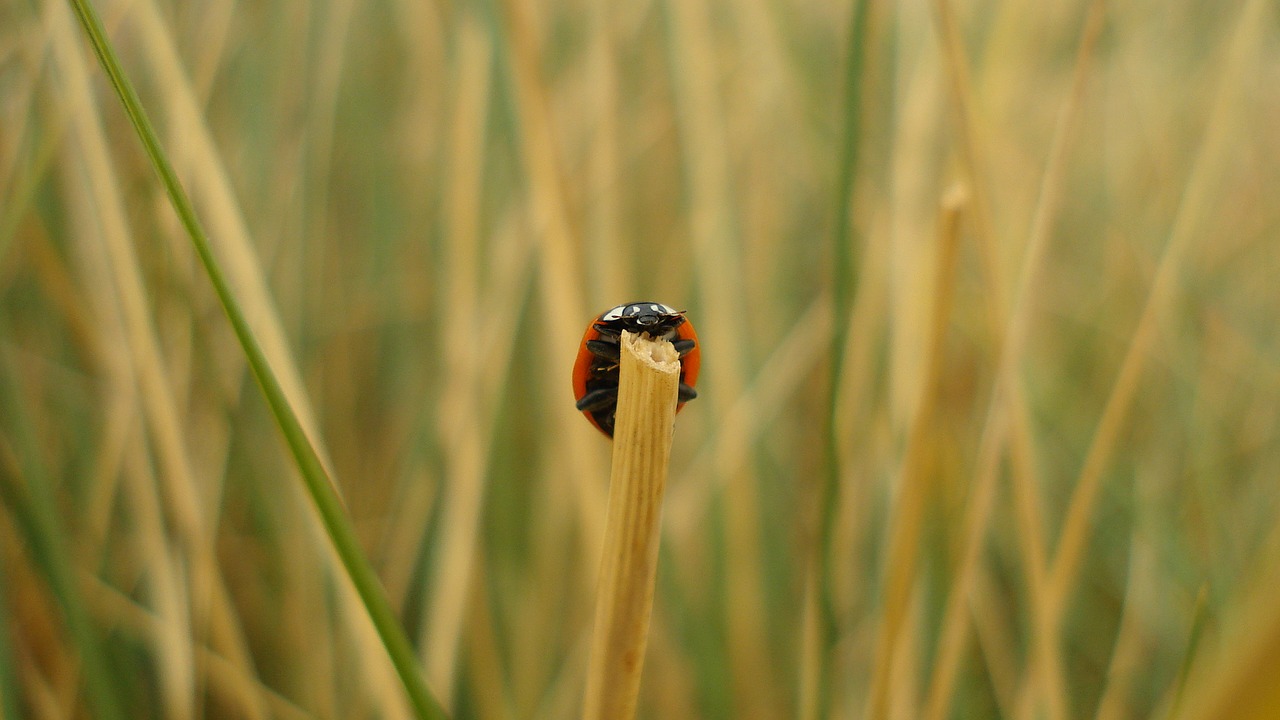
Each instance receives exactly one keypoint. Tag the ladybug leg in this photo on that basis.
(608, 334)
(686, 393)
(684, 347)
(597, 399)
(602, 349)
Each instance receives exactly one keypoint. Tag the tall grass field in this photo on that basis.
(988, 301)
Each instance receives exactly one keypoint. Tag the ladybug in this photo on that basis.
(595, 374)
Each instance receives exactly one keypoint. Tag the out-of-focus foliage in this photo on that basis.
(421, 205)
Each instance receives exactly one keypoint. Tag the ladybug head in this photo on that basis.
(643, 316)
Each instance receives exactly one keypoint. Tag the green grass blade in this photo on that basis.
(313, 474)
(843, 282)
(8, 681)
(1199, 616)
(31, 502)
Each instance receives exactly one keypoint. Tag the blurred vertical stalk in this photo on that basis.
(708, 166)
(1003, 423)
(817, 625)
(28, 491)
(893, 643)
(461, 421)
(1205, 177)
(310, 467)
(8, 678)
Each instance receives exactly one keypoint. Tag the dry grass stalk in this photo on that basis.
(903, 554)
(649, 378)
(1239, 683)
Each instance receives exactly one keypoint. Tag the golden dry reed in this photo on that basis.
(649, 377)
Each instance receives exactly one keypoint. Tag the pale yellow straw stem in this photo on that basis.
(647, 388)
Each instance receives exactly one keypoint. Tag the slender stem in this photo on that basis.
(317, 481)
(814, 700)
(649, 375)
(26, 486)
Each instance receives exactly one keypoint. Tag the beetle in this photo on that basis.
(595, 373)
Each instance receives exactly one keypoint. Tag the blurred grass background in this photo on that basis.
(989, 413)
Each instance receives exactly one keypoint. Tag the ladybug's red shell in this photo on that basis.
(595, 374)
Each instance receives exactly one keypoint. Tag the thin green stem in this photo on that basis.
(842, 283)
(317, 481)
(30, 497)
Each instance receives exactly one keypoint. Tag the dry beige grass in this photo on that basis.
(649, 374)
(1006, 457)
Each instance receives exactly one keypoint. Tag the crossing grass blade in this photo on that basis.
(318, 484)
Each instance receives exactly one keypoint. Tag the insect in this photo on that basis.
(595, 374)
